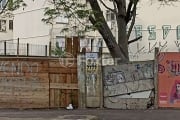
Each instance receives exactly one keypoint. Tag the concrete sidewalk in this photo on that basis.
(92, 114)
(64, 117)
(43, 114)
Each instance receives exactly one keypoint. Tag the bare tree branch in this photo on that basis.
(115, 8)
(134, 40)
(93, 21)
(133, 20)
(129, 14)
(107, 6)
(4, 7)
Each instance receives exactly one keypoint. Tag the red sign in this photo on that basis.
(169, 80)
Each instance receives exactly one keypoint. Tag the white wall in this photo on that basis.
(30, 29)
(155, 14)
(28, 25)
(150, 12)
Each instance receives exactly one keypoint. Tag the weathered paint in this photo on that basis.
(124, 84)
(169, 80)
(92, 80)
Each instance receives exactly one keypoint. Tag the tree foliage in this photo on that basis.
(81, 11)
(58, 51)
(11, 5)
(124, 10)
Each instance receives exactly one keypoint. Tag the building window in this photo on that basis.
(2, 3)
(10, 24)
(61, 42)
(110, 16)
(2, 25)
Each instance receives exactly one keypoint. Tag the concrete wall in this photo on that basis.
(125, 86)
(129, 86)
(89, 80)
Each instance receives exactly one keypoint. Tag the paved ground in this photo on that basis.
(102, 114)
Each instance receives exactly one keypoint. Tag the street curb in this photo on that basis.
(77, 117)
(65, 117)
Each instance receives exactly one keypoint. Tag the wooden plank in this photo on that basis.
(74, 78)
(75, 98)
(62, 71)
(51, 96)
(21, 63)
(11, 86)
(63, 98)
(62, 78)
(68, 45)
(57, 79)
(76, 46)
(69, 95)
(52, 105)
(59, 64)
(56, 97)
(56, 91)
(62, 91)
(63, 86)
(36, 83)
(34, 91)
(20, 68)
(43, 77)
(59, 70)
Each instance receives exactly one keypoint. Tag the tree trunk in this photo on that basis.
(115, 50)
(121, 24)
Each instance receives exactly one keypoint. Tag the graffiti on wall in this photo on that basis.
(169, 79)
(18, 68)
(127, 73)
(22, 81)
(132, 80)
(91, 73)
(165, 37)
(17, 85)
(151, 29)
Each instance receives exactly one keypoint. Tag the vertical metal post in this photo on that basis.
(50, 49)
(18, 47)
(45, 50)
(27, 49)
(5, 48)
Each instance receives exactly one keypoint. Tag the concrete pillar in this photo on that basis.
(81, 80)
(156, 78)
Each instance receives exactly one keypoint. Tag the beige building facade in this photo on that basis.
(157, 24)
